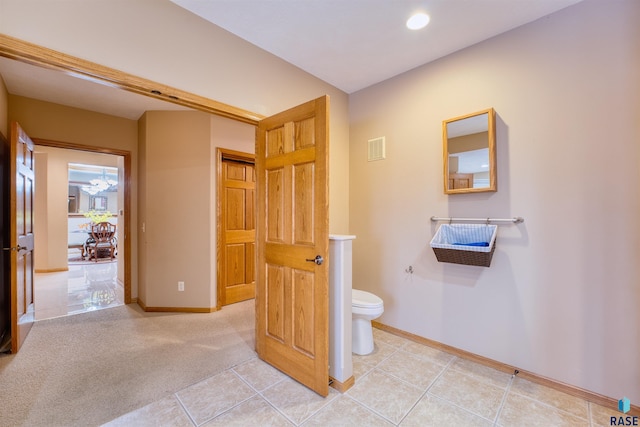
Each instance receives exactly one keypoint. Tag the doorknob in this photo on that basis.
(17, 248)
(318, 260)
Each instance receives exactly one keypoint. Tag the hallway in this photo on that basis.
(86, 286)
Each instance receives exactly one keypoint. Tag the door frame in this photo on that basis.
(221, 155)
(126, 195)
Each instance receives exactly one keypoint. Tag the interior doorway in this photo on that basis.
(93, 196)
(89, 286)
(236, 226)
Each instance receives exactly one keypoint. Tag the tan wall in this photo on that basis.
(561, 296)
(179, 199)
(59, 123)
(194, 56)
(176, 198)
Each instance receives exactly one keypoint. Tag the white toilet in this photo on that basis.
(365, 307)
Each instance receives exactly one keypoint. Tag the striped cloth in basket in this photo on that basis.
(465, 237)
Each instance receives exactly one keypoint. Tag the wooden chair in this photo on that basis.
(104, 234)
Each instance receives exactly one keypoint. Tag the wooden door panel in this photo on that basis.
(303, 318)
(20, 204)
(236, 171)
(27, 235)
(303, 187)
(250, 256)
(21, 305)
(240, 265)
(292, 217)
(275, 142)
(250, 207)
(305, 133)
(237, 275)
(22, 238)
(275, 299)
(235, 264)
(275, 205)
(235, 209)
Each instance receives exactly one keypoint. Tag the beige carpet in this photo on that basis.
(88, 369)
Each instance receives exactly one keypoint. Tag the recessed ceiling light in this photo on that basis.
(418, 21)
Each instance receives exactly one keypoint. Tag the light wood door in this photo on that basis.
(238, 231)
(292, 291)
(21, 205)
(460, 180)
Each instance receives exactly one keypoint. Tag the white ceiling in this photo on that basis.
(350, 44)
(353, 44)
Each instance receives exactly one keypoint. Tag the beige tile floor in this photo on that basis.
(401, 383)
(84, 287)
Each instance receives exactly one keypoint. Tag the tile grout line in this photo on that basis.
(375, 367)
(445, 369)
(255, 393)
(226, 410)
(259, 393)
(184, 408)
(504, 399)
(372, 410)
(314, 413)
(443, 399)
(368, 409)
(268, 402)
(555, 408)
(426, 391)
(331, 402)
(390, 374)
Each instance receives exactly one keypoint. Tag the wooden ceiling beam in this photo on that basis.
(40, 56)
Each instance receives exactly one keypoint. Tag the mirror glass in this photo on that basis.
(470, 153)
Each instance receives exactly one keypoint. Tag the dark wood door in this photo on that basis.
(21, 206)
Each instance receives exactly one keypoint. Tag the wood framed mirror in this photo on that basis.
(470, 153)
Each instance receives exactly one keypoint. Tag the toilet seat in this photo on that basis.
(365, 299)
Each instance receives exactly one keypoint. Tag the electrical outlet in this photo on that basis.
(181, 286)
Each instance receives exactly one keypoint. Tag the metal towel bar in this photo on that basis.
(515, 220)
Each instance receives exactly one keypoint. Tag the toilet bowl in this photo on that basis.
(365, 307)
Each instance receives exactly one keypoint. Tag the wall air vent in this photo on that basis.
(376, 149)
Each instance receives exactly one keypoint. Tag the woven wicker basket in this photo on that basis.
(446, 251)
(455, 256)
